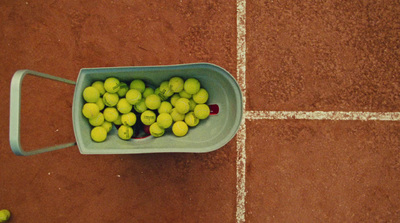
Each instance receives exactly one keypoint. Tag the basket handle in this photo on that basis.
(15, 113)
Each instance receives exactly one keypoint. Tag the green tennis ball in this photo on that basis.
(138, 85)
(107, 126)
(128, 119)
(180, 128)
(191, 86)
(98, 134)
(156, 130)
(192, 104)
(201, 96)
(176, 116)
(165, 90)
(174, 98)
(148, 117)
(141, 106)
(125, 132)
(118, 121)
(202, 111)
(157, 92)
(100, 104)
(184, 94)
(124, 106)
(153, 102)
(111, 85)
(99, 85)
(123, 88)
(4, 215)
(133, 96)
(165, 107)
(110, 114)
(191, 120)
(164, 120)
(90, 110)
(182, 105)
(110, 99)
(148, 91)
(91, 94)
(98, 120)
(176, 84)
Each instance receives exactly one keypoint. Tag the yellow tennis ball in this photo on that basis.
(123, 88)
(118, 121)
(148, 117)
(192, 104)
(165, 107)
(110, 114)
(202, 111)
(182, 105)
(180, 128)
(125, 132)
(141, 106)
(99, 85)
(133, 96)
(100, 104)
(107, 126)
(164, 120)
(124, 106)
(138, 85)
(156, 130)
(191, 120)
(4, 215)
(165, 90)
(176, 84)
(128, 119)
(176, 116)
(184, 94)
(91, 94)
(148, 91)
(201, 96)
(174, 98)
(191, 86)
(153, 102)
(111, 85)
(98, 134)
(110, 99)
(90, 110)
(98, 120)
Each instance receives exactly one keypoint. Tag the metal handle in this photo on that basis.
(15, 113)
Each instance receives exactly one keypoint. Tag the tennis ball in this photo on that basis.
(164, 120)
(133, 96)
(124, 106)
(4, 215)
(141, 106)
(98, 134)
(148, 117)
(148, 91)
(153, 102)
(165, 107)
(128, 119)
(191, 86)
(107, 126)
(176, 84)
(138, 85)
(100, 104)
(176, 116)
(202, 111)
(180, 128)
(182, 105)
(91, 94)
(118, 120)
(191, 120)
(99, 85)
(156, 130)
(90, 110)
(125, 132)
(174, 98)
(184, 94)
(192, 104)
(110, 114)
(110, 99)
(98, 120)
(111, 85)
(165, 91)
(201, 96)
(157, 92)
(123, 88)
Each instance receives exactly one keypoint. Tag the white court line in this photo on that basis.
(324, 115)
(241, 136)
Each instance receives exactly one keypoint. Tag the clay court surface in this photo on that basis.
(290, 56)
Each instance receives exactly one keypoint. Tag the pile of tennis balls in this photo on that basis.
(176, 103)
